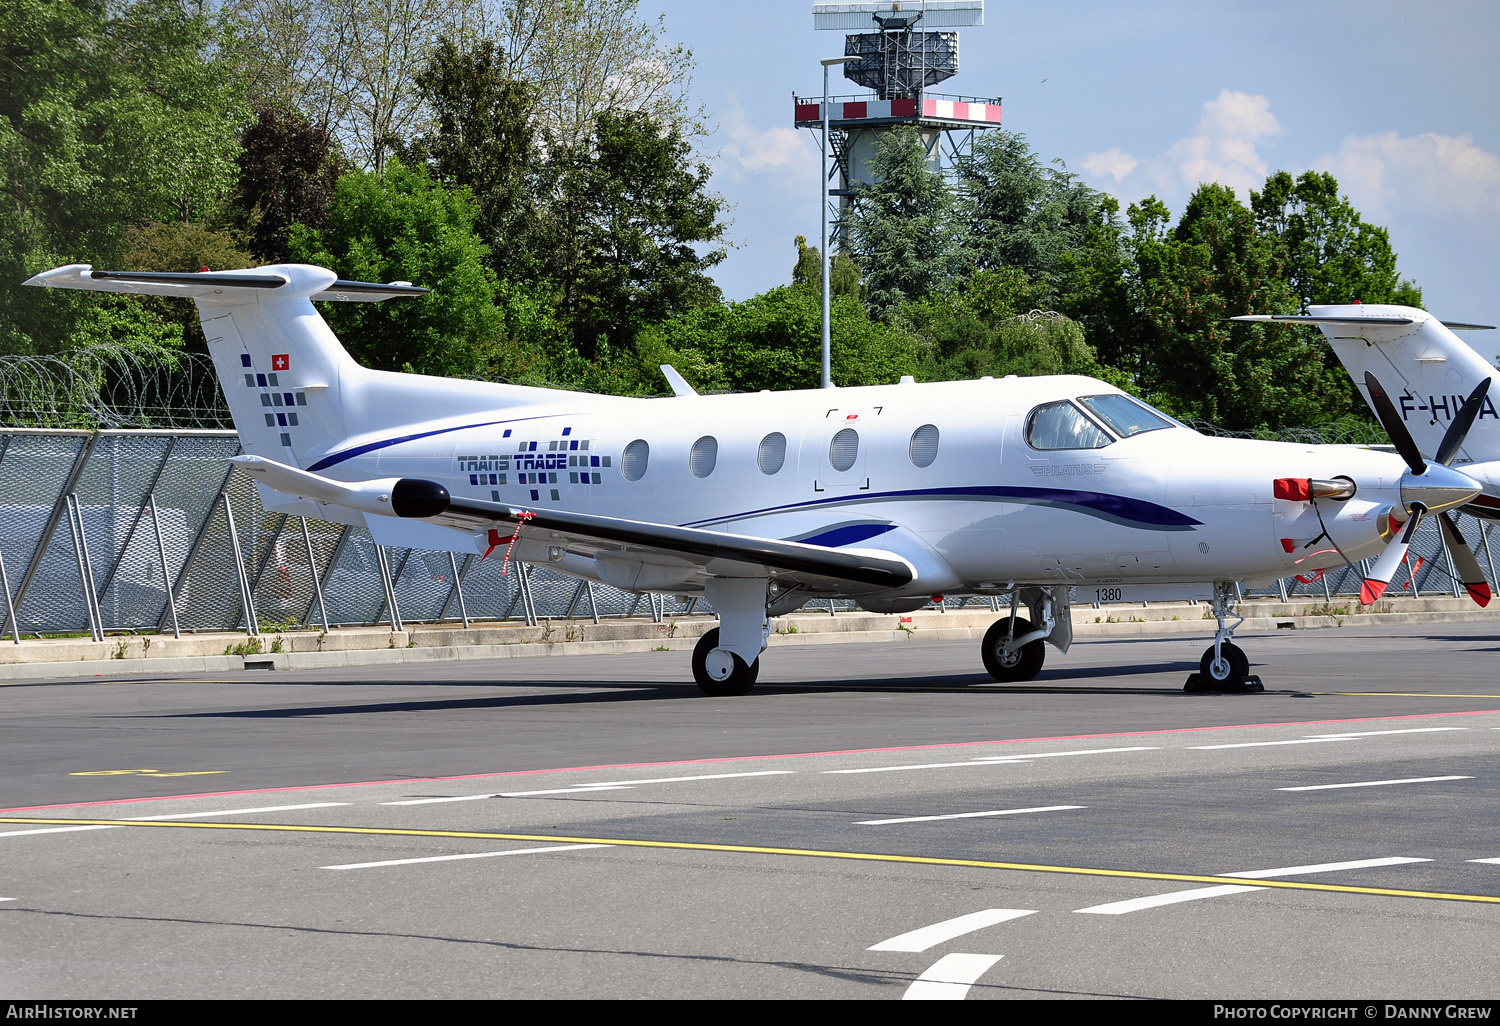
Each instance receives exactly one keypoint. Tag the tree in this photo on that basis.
(902, 230)
(110, 114)
(403, 226)
(484, 138)
(288, 175)
(586, 57)
(1019, 212)
(624, 234)
(1333, 255)
(843, 272)
(773, 341)
(1187, 283)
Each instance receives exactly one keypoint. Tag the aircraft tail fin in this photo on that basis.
(1427, 369)
(284, 373)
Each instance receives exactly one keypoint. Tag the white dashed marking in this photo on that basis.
(950, 978)
(937, 933)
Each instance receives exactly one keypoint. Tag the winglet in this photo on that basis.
(677, 381)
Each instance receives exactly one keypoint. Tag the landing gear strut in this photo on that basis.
(1224, 666)
(726, 660)
(1012, 649)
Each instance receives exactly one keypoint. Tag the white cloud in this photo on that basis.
(1224, 147)
(1112, 163)
(1427, 174)
(787, 153)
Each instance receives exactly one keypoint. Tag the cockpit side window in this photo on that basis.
(1062, 425)
(1124, 415)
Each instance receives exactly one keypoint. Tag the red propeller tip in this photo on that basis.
(1370, 591)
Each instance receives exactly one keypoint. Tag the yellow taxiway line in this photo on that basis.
(745, 849)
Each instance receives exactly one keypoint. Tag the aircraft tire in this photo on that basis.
(1022, 665)
(738, 682)
(1231, 674)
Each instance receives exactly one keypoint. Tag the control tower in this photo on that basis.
(901, 47)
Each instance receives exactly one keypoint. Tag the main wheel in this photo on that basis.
(1228, 671)
(1021, 664)
(740, 680)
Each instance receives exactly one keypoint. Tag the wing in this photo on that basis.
(586, 533)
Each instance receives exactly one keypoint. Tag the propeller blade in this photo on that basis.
(1453, 438)
(1394, 427)
(1385, 567)
(1464, 562)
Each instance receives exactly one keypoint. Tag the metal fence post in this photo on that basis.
(528, 601)
(327, 575)
(10, 607)
(58, 509)
(252, 628)
(85, 579)
(1281, 589)
(193, 549)
(135, 522)
(161, 552)
(593, 607)
(1484, 540)
(390, 589)
(312, 566)
(458, 589)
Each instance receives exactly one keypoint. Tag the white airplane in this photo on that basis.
(1043, 488)
(1441, 404)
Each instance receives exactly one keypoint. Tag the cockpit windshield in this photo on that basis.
(1060, 425)
(1124, 415)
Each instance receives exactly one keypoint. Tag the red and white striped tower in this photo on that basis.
(903, 47)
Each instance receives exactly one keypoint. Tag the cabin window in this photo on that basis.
(633, 462)
(924, 445)
(703, 455)
(1123, 415)
(844, 449)
(1063, 426)
(772, 454)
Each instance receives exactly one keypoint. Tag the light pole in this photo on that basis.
(823, 209)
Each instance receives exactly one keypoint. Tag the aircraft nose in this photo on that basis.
(1437, 488)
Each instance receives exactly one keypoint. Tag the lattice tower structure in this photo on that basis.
(903, 46)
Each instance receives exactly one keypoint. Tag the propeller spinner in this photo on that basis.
(1428, 489)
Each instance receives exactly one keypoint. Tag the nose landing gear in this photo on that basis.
(1224, 666)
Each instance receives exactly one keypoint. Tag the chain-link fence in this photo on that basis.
(169, 539)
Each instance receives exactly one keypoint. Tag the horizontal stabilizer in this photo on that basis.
(1315, 319)
(208, 284)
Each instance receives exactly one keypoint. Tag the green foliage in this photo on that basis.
(403, 226)
(288, 175)
(484, 138)
(1332, 254)
(1188, 282)
(624, 233)
(1020, 213)
(774, 341)
(902, 230)
(110, 113)
(989, 324)
(843, 274)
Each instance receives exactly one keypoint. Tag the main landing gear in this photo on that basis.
(1013, 649)
(1224, 666)
(726, 660)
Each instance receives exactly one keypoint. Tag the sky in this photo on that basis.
(1399, 101)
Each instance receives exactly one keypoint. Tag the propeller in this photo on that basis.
(1428, 487)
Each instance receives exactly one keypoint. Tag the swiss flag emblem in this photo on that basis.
(281, 361)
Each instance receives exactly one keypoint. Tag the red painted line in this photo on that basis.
(737, 758)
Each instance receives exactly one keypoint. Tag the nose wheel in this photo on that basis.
(1224, 666)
